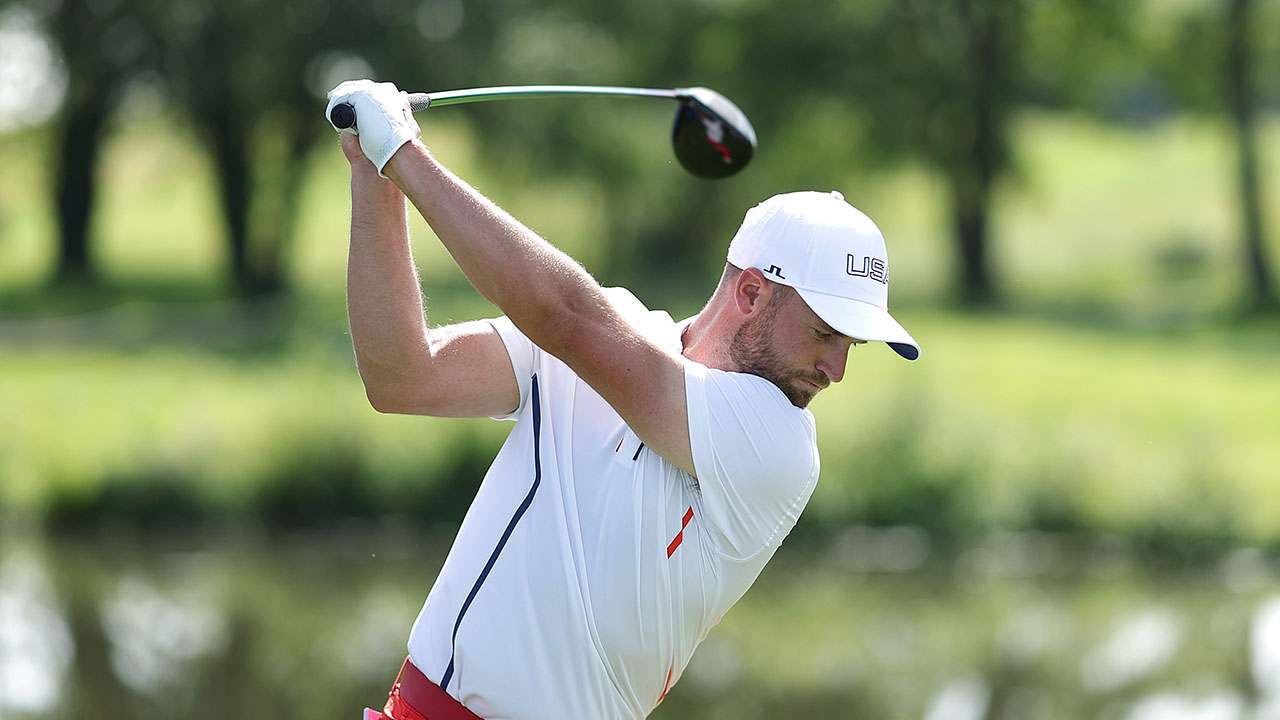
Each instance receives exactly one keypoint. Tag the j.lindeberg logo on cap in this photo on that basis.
(775, 270)
(872, 267)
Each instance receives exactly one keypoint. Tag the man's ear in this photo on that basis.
(751, 291)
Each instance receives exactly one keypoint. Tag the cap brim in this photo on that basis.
(862, 321)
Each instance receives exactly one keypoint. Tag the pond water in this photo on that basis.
(874, 624)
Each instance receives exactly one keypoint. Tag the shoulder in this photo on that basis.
(755, 456)
(745, 433)
(656, 325)
(745, 407)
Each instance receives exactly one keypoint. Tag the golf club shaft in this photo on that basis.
(343, 115)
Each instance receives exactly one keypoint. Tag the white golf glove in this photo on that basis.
(384, 121)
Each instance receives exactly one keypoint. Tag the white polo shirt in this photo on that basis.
(588, 568)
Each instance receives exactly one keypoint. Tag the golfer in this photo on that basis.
(653, 467)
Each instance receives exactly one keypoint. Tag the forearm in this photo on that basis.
(384, 300)
(541, 289)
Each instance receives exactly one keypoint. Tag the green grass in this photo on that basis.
(1007, 421)
(1115, 393)
(1144, 221)
(26, 215)
(229, 427)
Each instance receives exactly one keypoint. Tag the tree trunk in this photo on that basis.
(990, 29)
(969, 217)
(231, 160)
(1243, 101)
(76, 189)
(283, 205)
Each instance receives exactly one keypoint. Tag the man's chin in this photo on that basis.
(800, 393)
(798, 389)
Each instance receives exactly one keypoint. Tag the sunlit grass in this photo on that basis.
(26, 216)
(1120, 430)
(1140, 220)
(75, 421)
(159, 218)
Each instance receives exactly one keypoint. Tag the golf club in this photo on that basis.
(711, 136)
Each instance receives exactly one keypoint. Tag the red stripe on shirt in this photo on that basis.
(665, 687)
(688, 515)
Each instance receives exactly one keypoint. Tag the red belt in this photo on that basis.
(425, 697)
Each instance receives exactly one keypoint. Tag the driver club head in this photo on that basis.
(712, 137)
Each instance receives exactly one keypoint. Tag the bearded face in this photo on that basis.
(754, 350)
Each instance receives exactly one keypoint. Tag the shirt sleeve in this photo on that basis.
(527, 358)
(755, 455)
(524, 359)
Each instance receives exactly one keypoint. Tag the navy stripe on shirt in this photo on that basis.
(506, 535)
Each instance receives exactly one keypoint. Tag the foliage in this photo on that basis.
(237, 70)
(829, 88)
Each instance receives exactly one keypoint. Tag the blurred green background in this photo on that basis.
(1064, 509)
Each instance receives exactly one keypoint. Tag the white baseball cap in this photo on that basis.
(833, 255)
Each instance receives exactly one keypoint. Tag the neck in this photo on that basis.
(705, 341)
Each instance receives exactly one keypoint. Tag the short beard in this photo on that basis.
(752, 352)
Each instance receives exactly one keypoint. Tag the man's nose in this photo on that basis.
(832, 364)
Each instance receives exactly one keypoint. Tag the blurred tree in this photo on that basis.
(932, 81)
(911, 79)
(252, 75)
(238, 70)
(103, 47)
(1243, 102)
(914, 79)
(832, 89)
(970, 50)
(1210, 59)
(1085, 54)
(660, 225)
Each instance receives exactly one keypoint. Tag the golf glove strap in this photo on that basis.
(384, 121)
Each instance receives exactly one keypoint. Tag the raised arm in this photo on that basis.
(547, 294)
(553, 301)
(454, 371)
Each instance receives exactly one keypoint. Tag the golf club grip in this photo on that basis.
(343, 115)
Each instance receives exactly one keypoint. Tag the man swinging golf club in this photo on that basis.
(654, 466)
